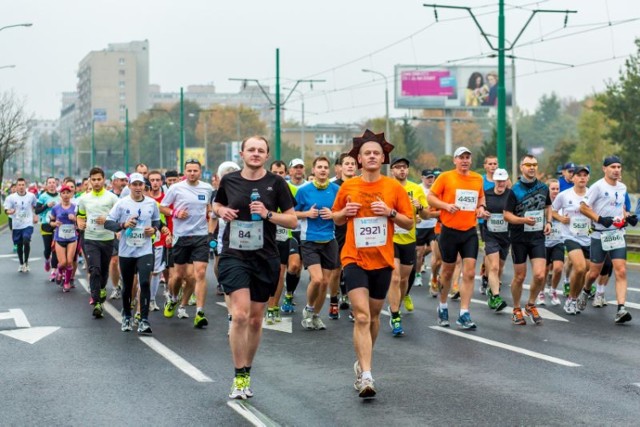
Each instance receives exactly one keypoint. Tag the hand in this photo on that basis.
(325, 213)
(149, 231)
(51, 204)
(351, 208)
(35, 219)
(227, 214)
(57, 224)
(72, 217)
(82, 223)
(565, 220)
(529, 220)
(451, 209)
(380, 208)
(416, 203)
(313, 212)
(605, 221)
(547, 229)
(181, 214)
(10, 211)
(165, 230)
(482, 213)
(101, 220)
(633, 220)
(257, 207)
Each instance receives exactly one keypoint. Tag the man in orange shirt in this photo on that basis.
(370, 205)
(459, 195)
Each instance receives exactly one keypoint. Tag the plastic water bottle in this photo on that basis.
(130, 230)
(254, 197)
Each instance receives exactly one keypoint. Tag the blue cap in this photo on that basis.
(569, 166)
(608, 161)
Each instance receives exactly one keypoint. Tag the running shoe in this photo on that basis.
(52, 276)
(97, 310)
(126, 324)
(317, 322)
(517, 318)
(21, 268)
(497, 303)
(153, 306)
(465, 322)
(103, 295)
(116, 293)
(192, 299)
(351, 316)
(136, 319)
(200, 321)
(541, 299)
(396, 326)
(367, 390)
(581, 303)
(307, 320)
(418, 280)
(66, 287)
(408, 303)
(287, 305)
(554, 297)
(268, 319)
(237, 389)
(570, 306)
(59, 279)
(434, 288)
(47, 265)
(344, 302)
(247, 386)
(567, 288)
(454, 293)
(144, 327)
(593, 291)
(276, 314)
(484, 285)
(599, 300)
(170, 308)
(334, 311)
(532, 312)
(622, 315)
(26, 267)
(443, 317)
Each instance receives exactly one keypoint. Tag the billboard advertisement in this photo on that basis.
(452, 87)
(196, 153)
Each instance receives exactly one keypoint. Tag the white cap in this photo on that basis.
(118, 175)
(136, 177)
(500, 175)
(296, 162)
(460, 151)
(226, 167)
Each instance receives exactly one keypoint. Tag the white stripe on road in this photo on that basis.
(251, 414)
(164, 351)
(544, 313)
(506, 347)
(633, 289)
(626, 304)
(176, 360)
(18, 316)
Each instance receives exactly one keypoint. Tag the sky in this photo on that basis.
(211, 41)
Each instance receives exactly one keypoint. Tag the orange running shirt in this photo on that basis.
(454, 188)
(365, 193)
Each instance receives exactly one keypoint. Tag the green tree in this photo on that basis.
(593, 127)
(561, 155)
(551, 123)
(621, 104)
(490, 148)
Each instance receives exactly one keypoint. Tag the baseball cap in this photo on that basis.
(437, 171)
(500, 175)
(65, 188)
(296, 162)
(581, 168)
(427, 173)
(136, 177)
(398, 160)
(118, 175)
(460, 151)
(608, 161)
(569, 165)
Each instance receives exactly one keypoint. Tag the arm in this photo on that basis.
(285, 219)
(512, 218)
(40, 207)
(588, 212)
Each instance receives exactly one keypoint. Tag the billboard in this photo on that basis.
(196, 153)
(453, 87)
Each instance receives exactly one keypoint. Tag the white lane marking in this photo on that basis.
(164, 351)
(175, 359)
(626, 304)
(509, 347)
(31, 335)
(544, 313)
(285, 325)
(18, 316)
(633, 289)
(30, 259)
(251, 414)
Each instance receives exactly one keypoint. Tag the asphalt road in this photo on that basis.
(571, 370)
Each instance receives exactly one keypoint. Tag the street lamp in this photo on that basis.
(160, 144)
(16, 25)
(386, 98)
(302, 145)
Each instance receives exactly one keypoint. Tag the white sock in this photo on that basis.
(366, 374)
(600, 289)
(463, 312)
(443, 306)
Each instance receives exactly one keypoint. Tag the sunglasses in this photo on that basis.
(192, 162)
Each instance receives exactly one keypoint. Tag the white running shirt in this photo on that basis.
(193, 198)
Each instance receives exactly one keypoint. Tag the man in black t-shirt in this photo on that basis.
(252, 201)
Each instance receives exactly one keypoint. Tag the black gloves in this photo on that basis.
(633, 220)
(605, 221)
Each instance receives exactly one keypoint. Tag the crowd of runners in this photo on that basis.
(362, 236)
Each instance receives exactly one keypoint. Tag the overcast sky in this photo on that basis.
(204, 41)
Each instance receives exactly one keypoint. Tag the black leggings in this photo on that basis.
(98, 255)
(23, 249)
(128, 269)
(49, 253)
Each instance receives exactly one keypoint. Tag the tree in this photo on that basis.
(621, 104)
(561, 155)
(552, 122)
(14, 127)
(490, 148)
(594, 145)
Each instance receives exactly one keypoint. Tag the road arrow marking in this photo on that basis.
(18, 317)
(251, 414)
(31, 335)
(544, 313)
(626, 304)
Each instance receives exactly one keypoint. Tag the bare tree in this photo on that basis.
(14, 127)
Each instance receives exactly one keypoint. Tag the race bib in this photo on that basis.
(538, 216)
(370, 231)
(397, 230)
(135, 237)
(497, 224)
(282, 234)
(246, 235)
(555, 232)
(92, 224)
(611, 240)
(579, 225)
(466, 200)
(67, 231)
(22, 215)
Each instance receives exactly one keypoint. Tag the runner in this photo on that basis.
(370, 205)
(119, 183)
(554, 248)
(20, 207)
(566, 181)
(47, 200)
(459, 195)
(425, 233)
(93, 208)
(604, 205)
(319, 245)
(62, 219)
(490, 166)
(191, 203)
(296, 179)
(156, 193)
(249, 201)
(528, 212)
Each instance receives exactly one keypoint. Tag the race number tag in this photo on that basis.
(22, 214)
(282, 234)
(370, 231)
(611, 240)
(397, 230)
(92, 223)
(555, 232)
(67, 231)
(136, 237)
(579, 225)
(246, 235)
(467, 200)
(497, 224)
(538, 216)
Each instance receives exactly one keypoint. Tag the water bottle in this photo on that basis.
(130, 230)
(254, 197)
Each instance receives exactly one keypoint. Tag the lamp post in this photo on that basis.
(302, 144)
(28, 24)
(386, 98)
(126, 139)
(93, 143)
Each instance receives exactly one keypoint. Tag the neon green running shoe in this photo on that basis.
(103, 295)
(200, 320)
(170, 309)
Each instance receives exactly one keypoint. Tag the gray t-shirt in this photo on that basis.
(194, 199)
(133, 242)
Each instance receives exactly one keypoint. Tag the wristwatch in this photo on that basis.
(393, 213)
(269, 215)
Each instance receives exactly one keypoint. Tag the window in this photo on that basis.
(121, 84)
(121, 61)
(121, 72)
(122, 96)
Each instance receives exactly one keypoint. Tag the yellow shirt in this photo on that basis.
(400, 235)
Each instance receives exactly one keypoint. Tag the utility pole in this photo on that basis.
(181, 130)
(126, 140)
(70, 149)
(501, 49)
